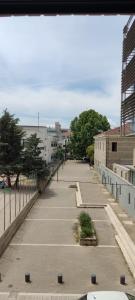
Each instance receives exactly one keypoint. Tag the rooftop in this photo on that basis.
(116, 131)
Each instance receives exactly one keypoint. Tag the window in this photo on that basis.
(114, 147)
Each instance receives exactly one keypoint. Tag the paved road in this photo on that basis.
(45, 245)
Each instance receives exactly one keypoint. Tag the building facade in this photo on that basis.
(45, 145)
(110, 149)
(128, 77)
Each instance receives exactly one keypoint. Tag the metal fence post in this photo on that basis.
(26, 194)
(29, 189)
(19, 199)
(23, 195)
(10, 207)
(4, 211)
(15, 203)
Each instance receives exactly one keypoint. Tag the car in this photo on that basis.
(86, 159)
(105, 295)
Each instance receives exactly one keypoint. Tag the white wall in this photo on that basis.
(45, 144)
(122, 171)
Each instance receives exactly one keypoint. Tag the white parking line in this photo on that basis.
(68, 220)
(107, 221)
(45, 245)
(54, 207)
(107, 246)
(73, 220)
(60, 245)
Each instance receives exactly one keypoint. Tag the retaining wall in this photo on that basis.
(121, 189)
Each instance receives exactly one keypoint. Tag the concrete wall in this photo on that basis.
(122, 190)
(122, 171)
(100, 151)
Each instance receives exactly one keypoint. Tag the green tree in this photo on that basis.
(59, 154)
(10, 146)
(32, 161)
(90, 153)
(84, 128)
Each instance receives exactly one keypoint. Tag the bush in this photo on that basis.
(84, 219)
(86, 232)
(86, 225)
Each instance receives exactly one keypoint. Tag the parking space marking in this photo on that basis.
(107, 246)
(60, 245)
(73, 220)
(68, 220)
(45, 245)
(107, 221)
(55, 207)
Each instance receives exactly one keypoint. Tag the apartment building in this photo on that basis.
(46, 141)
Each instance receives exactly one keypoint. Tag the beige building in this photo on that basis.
(111, 148)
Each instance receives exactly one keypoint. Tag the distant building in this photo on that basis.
(60, 135)
(45, 145)
(51, 138)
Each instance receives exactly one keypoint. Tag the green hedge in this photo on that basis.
(86, 225)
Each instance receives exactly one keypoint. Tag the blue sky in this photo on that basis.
(60, 66)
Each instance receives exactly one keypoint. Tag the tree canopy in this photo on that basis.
(16, 158)
(84, 128)
(90, 153)
(10, 145)
(32, 161)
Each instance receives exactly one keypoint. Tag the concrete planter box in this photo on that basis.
(91, 241)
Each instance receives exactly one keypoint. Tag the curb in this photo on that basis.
(123, 239)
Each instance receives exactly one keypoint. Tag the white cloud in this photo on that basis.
(59, 66)
(56, 104)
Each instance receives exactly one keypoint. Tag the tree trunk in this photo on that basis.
(17, 180)
(9, 181)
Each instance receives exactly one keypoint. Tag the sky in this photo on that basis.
(60, 66)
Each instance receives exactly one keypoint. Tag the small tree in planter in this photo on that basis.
(87, 232)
